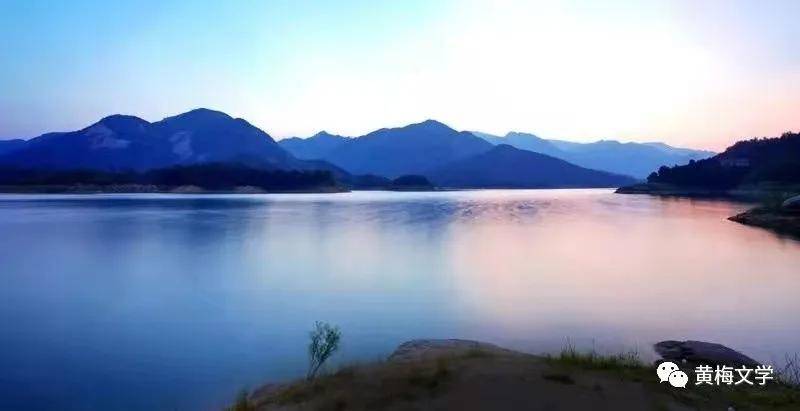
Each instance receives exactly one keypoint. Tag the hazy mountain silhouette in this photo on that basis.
(413, 149)
(315, 147)
(120, 142)
(505, 166)
(7, 146)
(634, 159)
(429, 148)
(523, 141)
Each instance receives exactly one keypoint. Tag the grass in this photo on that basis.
(790, 373)
(393, 385)
(783, 394)
(569, 355)
(367, 386)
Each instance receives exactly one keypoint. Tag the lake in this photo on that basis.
(177, 302)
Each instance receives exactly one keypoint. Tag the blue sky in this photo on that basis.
(699, 74)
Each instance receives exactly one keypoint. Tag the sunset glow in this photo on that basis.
(693, 75)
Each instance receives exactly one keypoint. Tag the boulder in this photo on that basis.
(416, 350)
(792, 203)
(700, 352)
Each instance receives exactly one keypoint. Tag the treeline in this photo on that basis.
(213, 176)
(746, 162)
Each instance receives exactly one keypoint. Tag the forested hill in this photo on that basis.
(759, 160)
(210, 176)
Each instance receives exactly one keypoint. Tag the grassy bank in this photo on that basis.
(492, 379)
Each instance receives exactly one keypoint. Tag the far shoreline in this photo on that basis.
(773, 217)
(151, 189)
(190, 189)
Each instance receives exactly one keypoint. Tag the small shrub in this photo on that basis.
(790, 373)
(324, 342)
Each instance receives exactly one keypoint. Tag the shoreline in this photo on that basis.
(773, 218)
(153, 189)
(474, 375)
(776, 220)
(742, 193)
(189, 189)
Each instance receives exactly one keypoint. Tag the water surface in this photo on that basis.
(175, 302)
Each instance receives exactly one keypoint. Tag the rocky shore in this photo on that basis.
(778, 220)
(782, 217)
(473, 375)
(756, 192)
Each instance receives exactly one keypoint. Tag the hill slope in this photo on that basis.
(472, 376)
(634, 159)
(315, 147)
(120, 142)
(767, 160)
(507, 167)
(413, 149)
(7, 146)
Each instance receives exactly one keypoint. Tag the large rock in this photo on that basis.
(701, 352)
(792, 203)
(416, 350)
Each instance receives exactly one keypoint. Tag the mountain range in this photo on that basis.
(445, 156)
(123, 143)
(315, 147)
(449, 158)
(504, 166)
(7, 146)
(633, 159)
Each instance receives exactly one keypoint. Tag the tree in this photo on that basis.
(324, 342)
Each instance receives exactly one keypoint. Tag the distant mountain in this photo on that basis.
(755, 161)
(531, 142)
(7, 146)
(120, 142)
(489, 137)
(315, 147)
(413, 149)
(634, 159)
(505, 166)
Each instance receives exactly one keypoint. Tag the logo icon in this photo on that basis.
(665, 369)
(669, 371)
(678, 379)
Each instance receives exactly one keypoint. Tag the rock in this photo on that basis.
(415, 350)
(701, 352)
(792, 203)
(785, 221)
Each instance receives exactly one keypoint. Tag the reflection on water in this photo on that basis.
(176, 302)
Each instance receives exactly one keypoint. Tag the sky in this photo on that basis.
(694, 74)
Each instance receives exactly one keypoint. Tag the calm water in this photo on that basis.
(166, 302)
